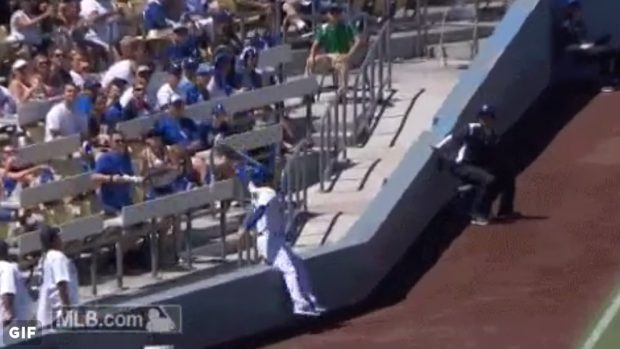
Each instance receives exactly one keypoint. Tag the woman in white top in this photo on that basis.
(59, 286)
(21, 86)
(25, 26)
(104, 16)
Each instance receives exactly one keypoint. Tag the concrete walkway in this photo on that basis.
(420, 89)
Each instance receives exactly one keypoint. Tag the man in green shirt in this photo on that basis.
(338, 40)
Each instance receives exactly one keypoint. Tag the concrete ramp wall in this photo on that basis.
(510, 72)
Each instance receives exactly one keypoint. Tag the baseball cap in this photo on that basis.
(143, 69)
(18, 64)
(204, 69)
(175, 98)
(486, 110)
(47, 234)
(190, 64)
(218, 108)
(175, 69)
(91, 84)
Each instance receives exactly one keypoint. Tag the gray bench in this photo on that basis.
(244, 101)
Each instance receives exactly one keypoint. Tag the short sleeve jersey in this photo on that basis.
(336, 38)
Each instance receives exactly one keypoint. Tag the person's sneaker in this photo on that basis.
(306, 311)
(607, 89)
(480, 221)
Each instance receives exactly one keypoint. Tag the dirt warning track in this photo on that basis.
(535, 283)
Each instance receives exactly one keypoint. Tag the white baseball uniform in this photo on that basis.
(271, 243)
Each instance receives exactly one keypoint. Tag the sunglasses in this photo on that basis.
(138, 89)
(59, 55)
(44, 62)
(118, 141)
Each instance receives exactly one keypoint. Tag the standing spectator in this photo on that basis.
(104, 17)
(114, 171)
(169, 89)
(60, 75)
(199, 92)
(183, 45)
(15, 301)
(21, 85)
(60, 284)
(339, 41)
(43, 72)
(79, 69)
(25, 25)
(155, 17)
(124, 68)
(62, 120)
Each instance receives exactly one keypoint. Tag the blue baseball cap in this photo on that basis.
(175, 68)
(190, 64)
(91, 84)
(218, 108)
(204, 69)
(486, 110)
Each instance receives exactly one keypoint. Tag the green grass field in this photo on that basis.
(604, 332)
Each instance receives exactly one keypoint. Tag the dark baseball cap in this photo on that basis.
(47, 234)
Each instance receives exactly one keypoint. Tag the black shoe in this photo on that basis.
(508, 216)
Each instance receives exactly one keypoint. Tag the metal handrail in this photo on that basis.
(374, 77)
(475, 30)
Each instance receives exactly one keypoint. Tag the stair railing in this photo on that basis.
(373, 79)
(460, 8)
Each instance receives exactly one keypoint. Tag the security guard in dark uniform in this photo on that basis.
(473, 158)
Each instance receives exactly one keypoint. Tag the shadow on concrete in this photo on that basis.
(525, 142)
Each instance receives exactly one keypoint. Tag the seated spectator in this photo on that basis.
(8, 106)
(113, 111)
(189, 73)
(169, 89)
(60, 75)
(248, 76)
(183, 45)
(219, 165)
(114, 172)
(22, 87)
(84, 100)
(224, 79)
(182, 133)
(79, 69)
(574, 40)
(15, 172)
(142, 77)
(63, 120)
(339, 41)
(199, 92)
(159, 167)
(155, 17)
(96, 118)
(138, 105)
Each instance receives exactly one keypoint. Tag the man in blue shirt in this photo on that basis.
(155, 17)
(114, 171)
(183, 44)
(190, 65)
(84, 100)
(176, 129)
(199, 92)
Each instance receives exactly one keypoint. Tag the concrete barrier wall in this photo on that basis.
(510, 72)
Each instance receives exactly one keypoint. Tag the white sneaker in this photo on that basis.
(306, 311)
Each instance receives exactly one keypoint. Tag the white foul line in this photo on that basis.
(603, 323)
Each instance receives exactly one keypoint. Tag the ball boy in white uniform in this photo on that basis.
(269, 221)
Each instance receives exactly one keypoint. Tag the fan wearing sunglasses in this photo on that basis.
(114, 172)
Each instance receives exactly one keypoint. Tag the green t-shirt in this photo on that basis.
(335, 38)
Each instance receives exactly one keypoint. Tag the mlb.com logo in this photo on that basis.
(22, 331)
